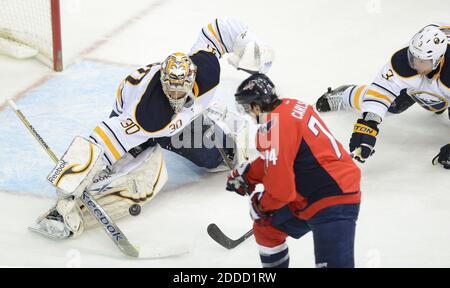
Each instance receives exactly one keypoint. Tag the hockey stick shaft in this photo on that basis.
(88, 200)
(227, 160)
(33, 132)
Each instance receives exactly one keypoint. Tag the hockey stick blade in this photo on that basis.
(155, 253)
(217, 235)
(111, 229)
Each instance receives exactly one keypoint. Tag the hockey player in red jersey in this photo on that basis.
(310, 181)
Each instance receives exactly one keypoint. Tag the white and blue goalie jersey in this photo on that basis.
(142, 111)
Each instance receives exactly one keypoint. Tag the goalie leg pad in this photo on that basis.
(136, 181)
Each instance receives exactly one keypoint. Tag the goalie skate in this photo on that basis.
(52, 226)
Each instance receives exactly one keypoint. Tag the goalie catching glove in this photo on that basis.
(443, 157)
(251, 54)
(364, 137)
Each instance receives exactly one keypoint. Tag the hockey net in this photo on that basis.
(31, 28)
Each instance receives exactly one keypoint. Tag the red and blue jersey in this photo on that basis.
(302, 165)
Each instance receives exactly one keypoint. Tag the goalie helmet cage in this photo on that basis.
(35, 24)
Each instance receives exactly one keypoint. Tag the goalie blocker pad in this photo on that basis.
(240, 127)
(77, 168)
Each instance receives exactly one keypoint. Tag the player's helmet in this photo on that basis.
(427, 48)
(257, 89)
(178, 74)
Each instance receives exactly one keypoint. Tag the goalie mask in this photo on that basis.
(427, 49)
(178, 74)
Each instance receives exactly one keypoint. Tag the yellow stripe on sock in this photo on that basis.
(378, 95)
(357, 97)
(108, 143)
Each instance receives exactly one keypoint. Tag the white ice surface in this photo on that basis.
(405, 210)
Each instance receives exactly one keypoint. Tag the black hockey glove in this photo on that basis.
(401, 103)
(363, 139)
(443, 157)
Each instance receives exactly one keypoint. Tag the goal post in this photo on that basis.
(32, 28)
(56, 35)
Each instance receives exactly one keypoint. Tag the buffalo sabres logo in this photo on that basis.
(430, 101)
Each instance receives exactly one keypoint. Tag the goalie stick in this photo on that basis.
(94, 208)
(217, 235)
(227, 160)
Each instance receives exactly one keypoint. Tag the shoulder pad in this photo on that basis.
(399, 62)
(208, 71)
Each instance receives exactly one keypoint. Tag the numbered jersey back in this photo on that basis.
(324, 159)
(322, 166)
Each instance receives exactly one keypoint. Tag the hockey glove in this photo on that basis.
(238, 182)
(363, 139)
(443, 157)
(401, 103)
(256, 212)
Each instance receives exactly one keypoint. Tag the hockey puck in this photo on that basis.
(135, 210)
